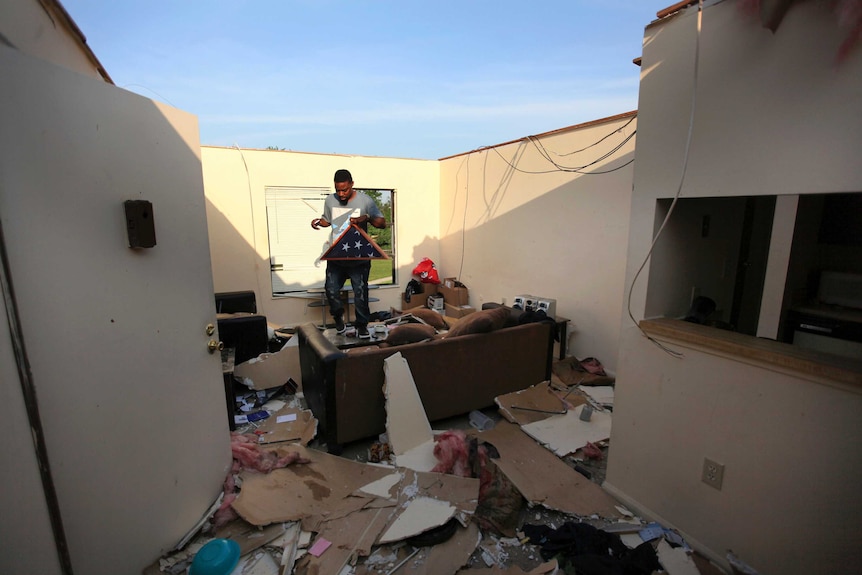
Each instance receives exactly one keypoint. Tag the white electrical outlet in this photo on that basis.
(713, 473)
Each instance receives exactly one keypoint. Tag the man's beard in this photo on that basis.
(342, 202)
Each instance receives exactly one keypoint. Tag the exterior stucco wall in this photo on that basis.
(42, 30)
(775, 115)
(235, 182)
(505, 231)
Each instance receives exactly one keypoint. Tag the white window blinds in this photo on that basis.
(294, 247)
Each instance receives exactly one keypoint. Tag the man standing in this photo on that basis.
(347, 206)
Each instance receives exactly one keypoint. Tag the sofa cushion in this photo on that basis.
(409, 333)
(482, 321)
(514, 314)
(430, 317)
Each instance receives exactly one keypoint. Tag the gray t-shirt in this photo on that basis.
(339, 215)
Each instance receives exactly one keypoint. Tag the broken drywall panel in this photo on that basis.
(536, 403)
(442, 559)
(177, 560)
(250, 537)
(462, 492)
(569, 372)
(353, 533)
(558, 486)
(258, 563)
(302, 490)
(286, 546)
(352, 537)
(269, 370)
(383, 486)
(600, 394)
(421, 514)
(675, 560)
(548, 568)
(346, 507)
(288, 424)
(565, 434)
(427, 500)
(406, 422)
(631, 540)
(449, 556)
(419, 458)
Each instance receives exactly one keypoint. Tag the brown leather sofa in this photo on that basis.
(453, 376)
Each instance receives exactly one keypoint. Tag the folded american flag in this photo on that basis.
(354, 244)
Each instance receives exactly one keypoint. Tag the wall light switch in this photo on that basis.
(140, 226)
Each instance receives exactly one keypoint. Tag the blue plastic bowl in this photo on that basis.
(218, 557)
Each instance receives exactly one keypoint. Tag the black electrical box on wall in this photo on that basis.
(139, 223)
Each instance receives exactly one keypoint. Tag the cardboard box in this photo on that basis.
(452, 295)
(458, 311)
(435, 302)
(418, 299)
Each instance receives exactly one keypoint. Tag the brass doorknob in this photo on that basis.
(214, 345)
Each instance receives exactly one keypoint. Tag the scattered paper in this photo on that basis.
(675, 560)
(289, 424)
(651, 531)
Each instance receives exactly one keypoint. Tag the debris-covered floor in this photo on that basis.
(519, 493)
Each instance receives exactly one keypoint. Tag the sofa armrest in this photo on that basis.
(313, 338)
(317, 359)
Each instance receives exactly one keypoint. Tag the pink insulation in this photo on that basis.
(452, 453)
(247, 454)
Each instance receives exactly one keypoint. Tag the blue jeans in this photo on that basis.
(337, 273)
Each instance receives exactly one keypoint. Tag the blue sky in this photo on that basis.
(380, 78)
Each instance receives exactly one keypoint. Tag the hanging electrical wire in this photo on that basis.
(578, 169)
(679, 188)
(596, 143)
(594, 173)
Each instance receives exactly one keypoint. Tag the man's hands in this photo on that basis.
(318, 223)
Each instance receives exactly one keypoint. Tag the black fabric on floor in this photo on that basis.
(583, 549)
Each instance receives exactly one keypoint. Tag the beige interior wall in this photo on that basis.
(790, 495)
(40, 30)
(775, 115)
(560, 235)
(235, 181)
